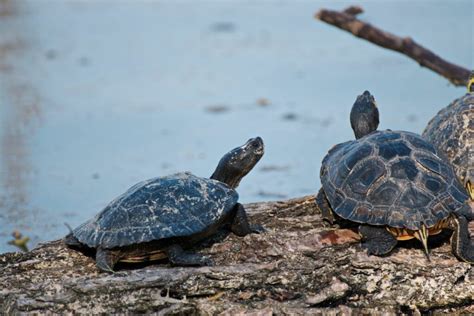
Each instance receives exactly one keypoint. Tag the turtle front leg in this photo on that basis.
(377, 240)
(323, 204)
(461, 244)
(178, 257)
(106, 259)
(240, 225)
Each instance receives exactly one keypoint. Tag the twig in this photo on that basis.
(347, 21)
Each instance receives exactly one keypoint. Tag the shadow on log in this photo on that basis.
(347, 21)
(299, 266)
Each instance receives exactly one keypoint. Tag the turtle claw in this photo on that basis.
(257, 229)
(178, 257)
(207, 262)
(200, 260)
(371, 250)
(193, 260)
(374, 249)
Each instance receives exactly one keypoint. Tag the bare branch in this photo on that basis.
(299, 266)
(347, 21)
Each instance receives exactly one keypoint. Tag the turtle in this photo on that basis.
(452, 132)
(394, 185)
(161, 217)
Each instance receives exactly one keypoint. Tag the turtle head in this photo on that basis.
(364, 115)
(470, 83)
(238, 162)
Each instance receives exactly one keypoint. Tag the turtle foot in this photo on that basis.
(377, 240)
(106, 259)
(240, 225)
(178, 257)
(323, 204)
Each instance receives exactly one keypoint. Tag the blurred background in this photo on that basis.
(98, 95)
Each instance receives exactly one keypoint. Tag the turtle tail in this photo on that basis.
(70, 240)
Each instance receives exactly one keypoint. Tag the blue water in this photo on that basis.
(98, 95)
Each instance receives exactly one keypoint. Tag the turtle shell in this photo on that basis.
(452, 132)
(177, 205)
(392, 178)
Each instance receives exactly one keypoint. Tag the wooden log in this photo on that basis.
(299, 266)
(347, 21)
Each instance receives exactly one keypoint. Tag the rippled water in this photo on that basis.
(96, 96)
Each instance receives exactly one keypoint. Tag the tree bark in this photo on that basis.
(300, 265)
(347, 21)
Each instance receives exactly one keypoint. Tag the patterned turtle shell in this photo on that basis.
(391, 178)
(177, 205)
(452, 132)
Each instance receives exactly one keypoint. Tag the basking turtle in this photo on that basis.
(395, 185)
(157, 218)
(452, 132)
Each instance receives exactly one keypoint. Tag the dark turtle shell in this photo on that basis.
(173, 206)
(392, 178)
(452, 132)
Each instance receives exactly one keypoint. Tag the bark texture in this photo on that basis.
(299, 266)
(347, 21)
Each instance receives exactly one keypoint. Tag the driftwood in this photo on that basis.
(348, 21)
(299, 266)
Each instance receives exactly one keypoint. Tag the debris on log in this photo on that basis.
(347, 21)
(299, 266)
